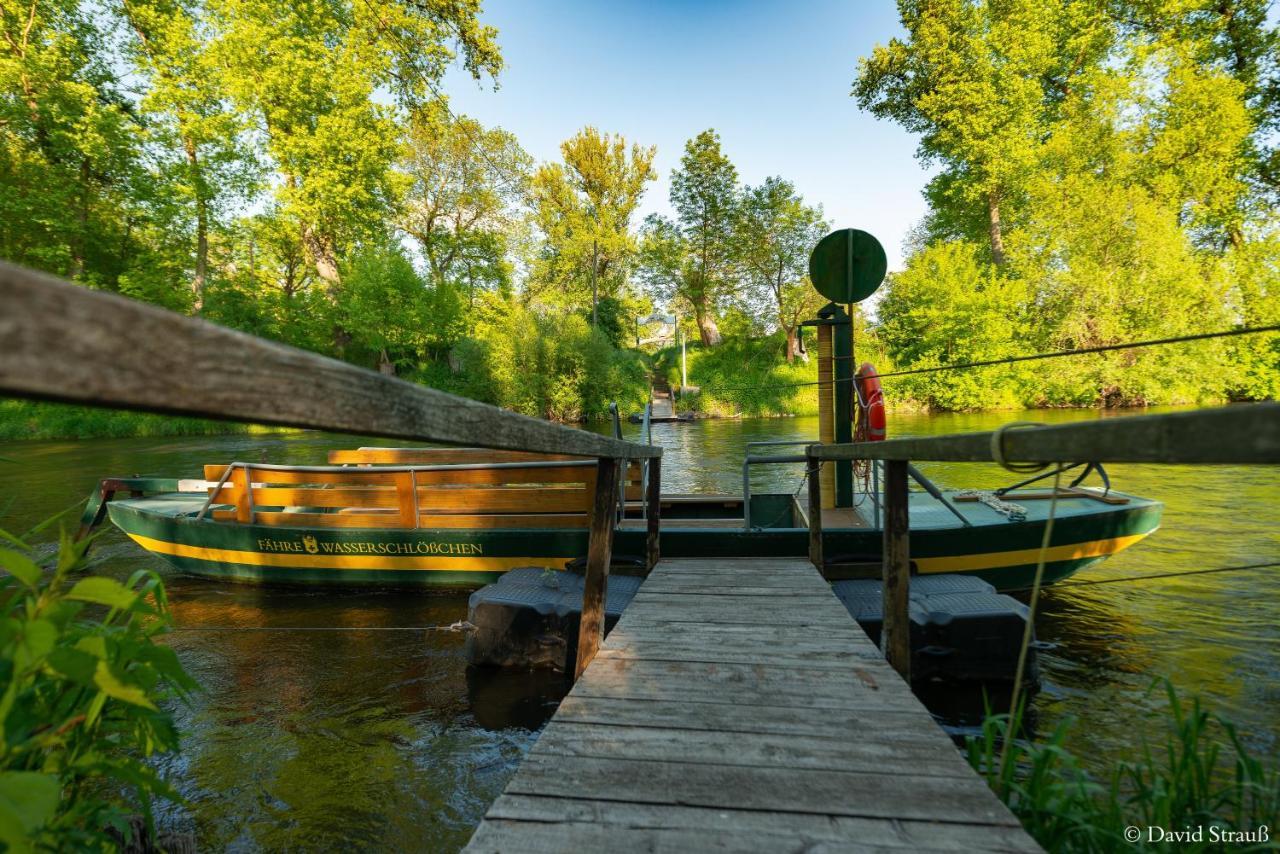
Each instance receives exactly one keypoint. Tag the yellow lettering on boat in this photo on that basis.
(419, 556)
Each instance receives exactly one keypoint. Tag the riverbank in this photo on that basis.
(24, 419)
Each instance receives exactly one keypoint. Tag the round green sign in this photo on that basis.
(847, 265)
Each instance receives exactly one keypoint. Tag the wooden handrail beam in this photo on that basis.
(60, 341)
(1240, 434)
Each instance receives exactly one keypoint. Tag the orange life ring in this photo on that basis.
(872, 425)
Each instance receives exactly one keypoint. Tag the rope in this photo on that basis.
(1028, 629)
(1015, 512)
(1092, 582)
(803, 480)
(1226, 333)
(997, 449)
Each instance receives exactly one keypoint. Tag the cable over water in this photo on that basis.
(1008, 360)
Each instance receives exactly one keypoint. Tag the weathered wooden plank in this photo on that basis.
(779, 831)
(848, 793)
(747, 684)
(754, 719)
(852, 721)
(1238, 434)
(814, 658)
(926, 757)
(112, 351)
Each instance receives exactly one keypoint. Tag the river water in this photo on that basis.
(330, 718)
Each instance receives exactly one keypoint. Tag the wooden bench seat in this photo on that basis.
(529, 496)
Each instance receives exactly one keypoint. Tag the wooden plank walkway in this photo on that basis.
(737, 707)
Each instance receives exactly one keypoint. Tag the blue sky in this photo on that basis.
(773, 78)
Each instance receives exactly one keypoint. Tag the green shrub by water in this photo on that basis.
(743, 377)
(84, 687)
(546, 364)
(1193, 772)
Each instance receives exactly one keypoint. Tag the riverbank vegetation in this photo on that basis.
(1190, 773)
(21, 420)
(86, 684)
(302, 177)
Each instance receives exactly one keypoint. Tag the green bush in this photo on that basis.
(1201, 776)
(743, 376)
(84, 686)
(545, 364)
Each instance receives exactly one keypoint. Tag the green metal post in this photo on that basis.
(842, 347)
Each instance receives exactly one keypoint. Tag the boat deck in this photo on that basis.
(759, 719)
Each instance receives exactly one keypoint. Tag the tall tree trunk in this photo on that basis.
(793, 344)
(202, 226)
(81, 238)
(993, 219)
(386, 367)
(320, 248)
(707, 329)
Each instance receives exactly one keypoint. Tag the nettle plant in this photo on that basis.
(84, 688)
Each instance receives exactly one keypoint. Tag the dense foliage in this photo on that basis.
(293, 170)
(1106, 173)
(85, 682)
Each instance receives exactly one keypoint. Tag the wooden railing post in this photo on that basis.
(812, 465)
(599, 555)
(653, 513)
(895, 636)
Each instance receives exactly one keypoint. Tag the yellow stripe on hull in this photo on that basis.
(1021, 557)
(333, 561)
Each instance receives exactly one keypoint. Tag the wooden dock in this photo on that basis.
(737, 707)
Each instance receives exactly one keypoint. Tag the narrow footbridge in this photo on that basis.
(737, 706)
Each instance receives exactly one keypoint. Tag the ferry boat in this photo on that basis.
(459, 518)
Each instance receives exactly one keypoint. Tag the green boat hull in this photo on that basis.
(1000, 552)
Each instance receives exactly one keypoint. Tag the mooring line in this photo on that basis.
(1090, 583)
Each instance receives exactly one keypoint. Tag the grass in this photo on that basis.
(1195, 777)
(742, 378)
(22, 419)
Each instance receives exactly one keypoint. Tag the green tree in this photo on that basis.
(1234, 37)
(775, 233)
(705, 195)
(584, 209)
(389, 309)
(463, 205)
(185, 96)
(70, 147)
(310, 74)
(981, 82)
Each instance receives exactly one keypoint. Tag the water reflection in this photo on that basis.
(338, 718)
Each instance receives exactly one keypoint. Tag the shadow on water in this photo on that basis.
(339, 718)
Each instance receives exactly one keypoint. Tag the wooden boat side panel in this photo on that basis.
(546, 499)
(393, 520)
(374, 477)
